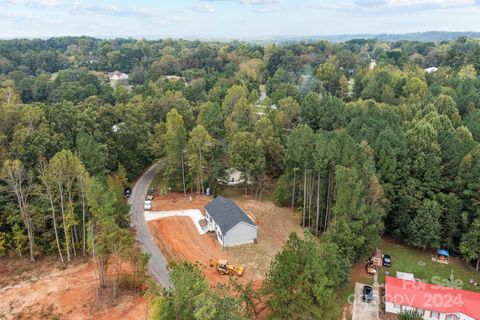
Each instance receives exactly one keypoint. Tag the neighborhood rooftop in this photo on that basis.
(419, 295)
(227, 214)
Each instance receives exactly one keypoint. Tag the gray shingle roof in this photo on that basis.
(227, 214)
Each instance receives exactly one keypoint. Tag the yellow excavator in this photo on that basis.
(223, 267)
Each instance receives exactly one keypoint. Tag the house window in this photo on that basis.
(435, 315)
(420, 312)
(453, 317)
(396, 306)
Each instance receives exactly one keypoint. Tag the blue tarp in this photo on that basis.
(442, 252)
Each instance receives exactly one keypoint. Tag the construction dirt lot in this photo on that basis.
(46, 290)
(179, 240)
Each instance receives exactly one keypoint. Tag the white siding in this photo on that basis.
(427, 314)
(242, 233)
(392, 308)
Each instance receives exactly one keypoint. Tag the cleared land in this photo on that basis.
(178, 238)
(45, 291)
(177, 201)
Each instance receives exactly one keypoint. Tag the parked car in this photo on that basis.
(147, 206)
(387, 261)
(127, 192)
(367, 294)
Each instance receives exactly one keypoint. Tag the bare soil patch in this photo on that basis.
(45, 290)
(178, 238)
(180, 241)
(178, 201)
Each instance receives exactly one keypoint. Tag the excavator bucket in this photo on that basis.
(212, 263)
(240, 270)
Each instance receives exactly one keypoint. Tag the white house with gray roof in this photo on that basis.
(231, 225)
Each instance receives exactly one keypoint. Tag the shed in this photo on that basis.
(231, 224)
(117, 75)
(442, 256)
(405, 276)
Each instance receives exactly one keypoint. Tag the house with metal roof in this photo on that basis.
(231, 224)
(431, 301)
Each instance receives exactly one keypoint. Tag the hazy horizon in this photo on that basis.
(234, 19)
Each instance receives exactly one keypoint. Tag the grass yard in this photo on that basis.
(419, 263)
(406, 259)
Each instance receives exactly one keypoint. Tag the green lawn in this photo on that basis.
(419, 263)
(406, 259)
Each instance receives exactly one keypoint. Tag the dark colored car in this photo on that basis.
(387, 261)
(367, 294)
(127, 192)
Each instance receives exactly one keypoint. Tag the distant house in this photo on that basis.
(431, 70)
(116, 127)
(231, 224)
(117, 76)
(174, 78)
(233, 178)
(431, 301)
(372, 64)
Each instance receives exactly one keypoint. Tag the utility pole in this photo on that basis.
(183, 175)
(304, 197)
(293, 192)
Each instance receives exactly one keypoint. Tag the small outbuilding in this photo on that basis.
(232, 177)
(442, 256)
(231, 224)
(117, 75)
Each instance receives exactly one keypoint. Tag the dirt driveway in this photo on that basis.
(177, 201)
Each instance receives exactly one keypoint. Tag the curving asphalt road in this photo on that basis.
(157, 265)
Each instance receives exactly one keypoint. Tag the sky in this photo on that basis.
(232, 18)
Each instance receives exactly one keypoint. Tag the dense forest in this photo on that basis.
(363, 138)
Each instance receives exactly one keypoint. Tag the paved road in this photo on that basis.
(363, 310)
(158, 263)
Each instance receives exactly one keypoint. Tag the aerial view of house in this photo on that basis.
(231, 224)
(240, 159)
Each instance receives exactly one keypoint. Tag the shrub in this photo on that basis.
(409, 315)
